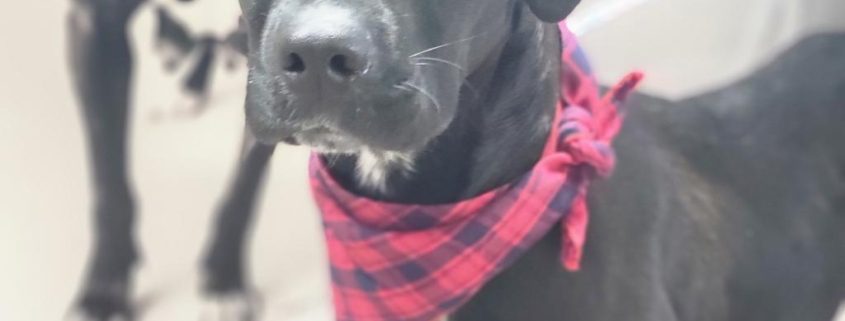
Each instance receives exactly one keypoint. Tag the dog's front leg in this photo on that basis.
(225, 283)
(101, 65)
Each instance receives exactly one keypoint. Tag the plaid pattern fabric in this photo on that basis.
(399, 262)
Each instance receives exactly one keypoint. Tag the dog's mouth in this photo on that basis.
(324, 139)
(343, 87)
(393, 116)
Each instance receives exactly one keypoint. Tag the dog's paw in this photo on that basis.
(238, 306)
(101, 307)
(83, 316)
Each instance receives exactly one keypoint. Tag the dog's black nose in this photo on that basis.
(337, 54)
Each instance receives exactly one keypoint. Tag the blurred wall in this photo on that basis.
(687, 46)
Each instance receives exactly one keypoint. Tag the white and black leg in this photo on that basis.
(226, 285)
(101, 64)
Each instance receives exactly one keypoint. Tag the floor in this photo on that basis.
(181, 164)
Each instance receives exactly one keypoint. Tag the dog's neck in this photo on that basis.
(497, 135)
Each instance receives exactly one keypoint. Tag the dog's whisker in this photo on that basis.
(402, 87)
(444, 61)
(291, 111)
(410, 86)
(475, 92)
(447, 44)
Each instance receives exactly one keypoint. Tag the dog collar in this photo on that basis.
(399, 262)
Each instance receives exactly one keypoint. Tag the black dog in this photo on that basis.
(726, 206)
(721, 209)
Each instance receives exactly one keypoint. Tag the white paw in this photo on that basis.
(231, 307)
(82, 316)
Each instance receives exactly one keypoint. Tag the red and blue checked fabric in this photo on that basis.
(400, 262)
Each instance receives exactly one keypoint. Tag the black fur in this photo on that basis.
(725, 206)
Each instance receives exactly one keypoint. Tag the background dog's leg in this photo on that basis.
(224, 262)
(101, 65)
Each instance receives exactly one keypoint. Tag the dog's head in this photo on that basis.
(377, 75)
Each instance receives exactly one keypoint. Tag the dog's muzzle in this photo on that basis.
(326, 72)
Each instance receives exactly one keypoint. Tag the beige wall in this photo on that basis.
(689, 45)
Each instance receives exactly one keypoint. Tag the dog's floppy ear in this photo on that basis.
(552, 10)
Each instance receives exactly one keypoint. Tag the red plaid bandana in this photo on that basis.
(399, 262)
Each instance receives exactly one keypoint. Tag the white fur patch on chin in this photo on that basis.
(373, 169)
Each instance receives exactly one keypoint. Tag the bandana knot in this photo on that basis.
(585, 135)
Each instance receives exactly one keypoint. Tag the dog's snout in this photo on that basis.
(322, 43)
(340, 56)
(331, 66)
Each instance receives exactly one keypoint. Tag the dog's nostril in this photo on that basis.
(341, 65)
(295, 63)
